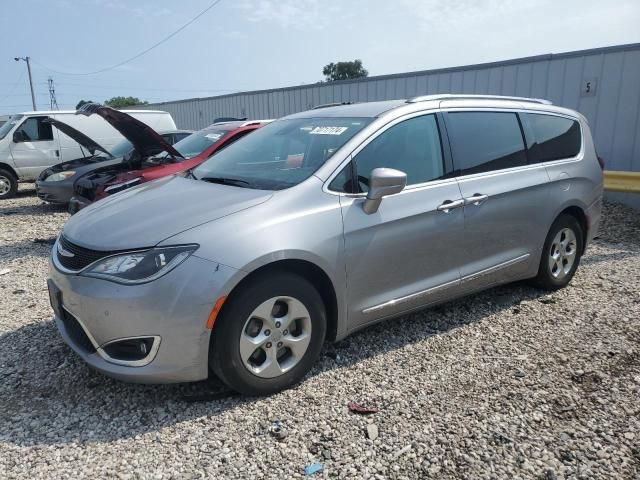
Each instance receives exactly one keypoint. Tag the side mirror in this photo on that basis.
(383, 182)
(18, 136)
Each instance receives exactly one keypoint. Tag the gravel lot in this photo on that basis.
(510, 383)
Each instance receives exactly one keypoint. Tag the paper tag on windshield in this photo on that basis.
(213, 136)
(328, 130)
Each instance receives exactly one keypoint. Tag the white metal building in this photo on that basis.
(602, 83)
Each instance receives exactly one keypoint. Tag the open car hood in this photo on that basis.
(79, 137)
(145, 139)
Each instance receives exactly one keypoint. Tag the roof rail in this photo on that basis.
(256, 122)
(453, 96)
(327, 105)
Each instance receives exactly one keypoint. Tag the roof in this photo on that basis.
(426, 102)
(368, 109)
(235, 124)
(166, 132)
(72, 112)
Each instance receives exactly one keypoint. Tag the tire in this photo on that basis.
(8, 184)
(559, 261)
(248, 320)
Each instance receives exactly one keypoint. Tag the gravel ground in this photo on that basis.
(510, 383)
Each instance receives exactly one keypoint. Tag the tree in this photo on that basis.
(122, 102)
(344, 71)
(83, 102)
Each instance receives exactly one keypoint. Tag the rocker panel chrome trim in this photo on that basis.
(429, 291)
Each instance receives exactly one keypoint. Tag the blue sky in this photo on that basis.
(255, 44)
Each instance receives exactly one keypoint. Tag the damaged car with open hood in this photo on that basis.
(55, 184)
(152, 157)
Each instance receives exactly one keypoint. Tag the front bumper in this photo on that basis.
(173, 309)
(54, 192)
(77, 203)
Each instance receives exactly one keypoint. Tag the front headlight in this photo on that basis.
(58, 177)
(142, 266)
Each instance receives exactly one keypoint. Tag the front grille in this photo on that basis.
(82, 257)
(76, 332)
(86, 190)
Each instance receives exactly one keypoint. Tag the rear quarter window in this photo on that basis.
(485, 141)
(551, 138)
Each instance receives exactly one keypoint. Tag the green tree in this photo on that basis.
(344, 71)
(82, 102)
(122, 102)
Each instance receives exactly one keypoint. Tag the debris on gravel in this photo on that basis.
(509, 383)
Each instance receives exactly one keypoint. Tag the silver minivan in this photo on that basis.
(320, 224)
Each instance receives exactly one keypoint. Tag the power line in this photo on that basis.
(11, 90)
(213, 4)
(129, 87)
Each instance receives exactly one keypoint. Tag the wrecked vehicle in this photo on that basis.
(55, 184)
(150, 161)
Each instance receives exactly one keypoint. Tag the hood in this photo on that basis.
(145, 139)
(79, 137)
(145, 215)
(80, 165)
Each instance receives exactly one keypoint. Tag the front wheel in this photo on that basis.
(269, 334)
(561, 254)
(8, 184)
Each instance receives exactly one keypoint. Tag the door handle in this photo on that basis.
(57, 153)
(476, 199)
(448, 205)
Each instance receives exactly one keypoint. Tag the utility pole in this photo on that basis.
(33, 97)
(52, 95)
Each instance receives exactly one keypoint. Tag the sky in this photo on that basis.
(242, 45)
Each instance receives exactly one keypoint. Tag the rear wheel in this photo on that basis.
(561, 253)
(8, 184)
(269, 334)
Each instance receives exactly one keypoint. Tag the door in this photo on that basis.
(37, 148)
(505, 216)
(407, 253)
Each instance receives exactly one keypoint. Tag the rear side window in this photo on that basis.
(551, 138)
(485, 141)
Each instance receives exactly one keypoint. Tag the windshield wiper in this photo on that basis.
(236, 182)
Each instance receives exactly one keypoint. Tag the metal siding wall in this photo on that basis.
(626, 121)
(613, 112)
(555, 80)
(482, 81)
(539, 79)
(607, 106)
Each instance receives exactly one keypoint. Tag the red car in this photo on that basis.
(165, 159)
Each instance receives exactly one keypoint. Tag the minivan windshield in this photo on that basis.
(6, 128)
(281, 154)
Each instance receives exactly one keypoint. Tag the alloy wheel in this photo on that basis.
(5, 185)
(275, 337)
(562, 254)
